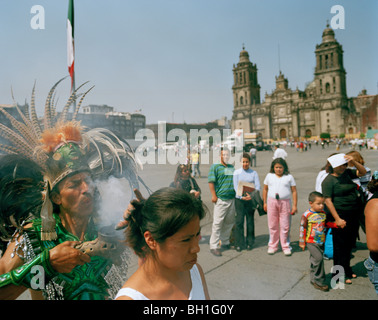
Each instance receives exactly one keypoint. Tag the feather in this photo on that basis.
(8, 149)
(71, 99)
(34, 117)
(61, 133)
(53, 109)
(79, 105)
(17, 140)
(25, 117)
(48, 114)
(21, 128)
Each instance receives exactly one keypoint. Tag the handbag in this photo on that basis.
(328, 245)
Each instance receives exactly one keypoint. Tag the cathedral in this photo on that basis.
(323, 106)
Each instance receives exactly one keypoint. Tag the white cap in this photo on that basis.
(337, 160)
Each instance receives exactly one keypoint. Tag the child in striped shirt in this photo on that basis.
(313, 232)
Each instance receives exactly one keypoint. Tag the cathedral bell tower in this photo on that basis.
(330, 75)
(246, 92)
(330, 83)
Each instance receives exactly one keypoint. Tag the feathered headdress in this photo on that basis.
(61, 147)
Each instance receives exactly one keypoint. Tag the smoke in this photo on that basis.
(115, 194)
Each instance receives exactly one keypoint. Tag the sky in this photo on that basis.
(173, 59)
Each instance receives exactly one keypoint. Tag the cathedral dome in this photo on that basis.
(328, 34)
(244, 56)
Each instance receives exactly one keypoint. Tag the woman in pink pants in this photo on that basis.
(279, 189)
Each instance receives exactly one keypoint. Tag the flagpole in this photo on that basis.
(71, 46)
(73, 90)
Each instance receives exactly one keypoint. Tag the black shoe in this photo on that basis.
(225, 247)
(238, 249)
(249, 247)
(216, 252)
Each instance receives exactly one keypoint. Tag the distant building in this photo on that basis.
(124, 124)
(97, 109)
(290, 114)
(367, 107)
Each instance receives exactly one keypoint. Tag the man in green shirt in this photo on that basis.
(221, 186)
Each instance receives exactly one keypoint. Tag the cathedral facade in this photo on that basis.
(289, 114)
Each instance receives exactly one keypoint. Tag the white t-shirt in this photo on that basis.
(319, 179)
(197, 292)
(280, 153)
(281, 185)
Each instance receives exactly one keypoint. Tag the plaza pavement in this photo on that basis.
(255, 275)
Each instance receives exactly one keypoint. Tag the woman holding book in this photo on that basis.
(246, 181)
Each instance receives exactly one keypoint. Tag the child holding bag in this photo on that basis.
(279, 188)
(312, 232)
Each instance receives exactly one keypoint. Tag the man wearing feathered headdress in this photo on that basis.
(60, 217)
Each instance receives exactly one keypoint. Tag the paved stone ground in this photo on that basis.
(255, 274)
(250, 275)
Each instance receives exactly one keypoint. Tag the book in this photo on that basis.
(244, 188)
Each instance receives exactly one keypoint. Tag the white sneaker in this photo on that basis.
(271, 251)
(287, 252)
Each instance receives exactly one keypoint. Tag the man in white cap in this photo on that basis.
(279, 153)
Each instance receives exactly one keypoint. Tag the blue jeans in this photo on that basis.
(372, 270)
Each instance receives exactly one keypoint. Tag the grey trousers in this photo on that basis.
(317, 273)
(223, 221)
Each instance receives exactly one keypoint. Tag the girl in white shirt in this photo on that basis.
(279, 189)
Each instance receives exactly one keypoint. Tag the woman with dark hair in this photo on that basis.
(183, 180)
(279, 188)
(164, 232)
(345, 205)
(363, 180)
(371, 216)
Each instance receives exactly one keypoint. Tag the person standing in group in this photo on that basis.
(279, 187)
(243, 205)
(164, 232)
(371, 213)
(279, 152)
(253, 153)
(195, 161)
(345, 204)
(313, 233)
(363, 180)
(222, 191)
(183, 180)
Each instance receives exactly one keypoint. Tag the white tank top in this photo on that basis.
(197, 292)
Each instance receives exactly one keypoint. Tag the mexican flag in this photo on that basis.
(70, 41)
